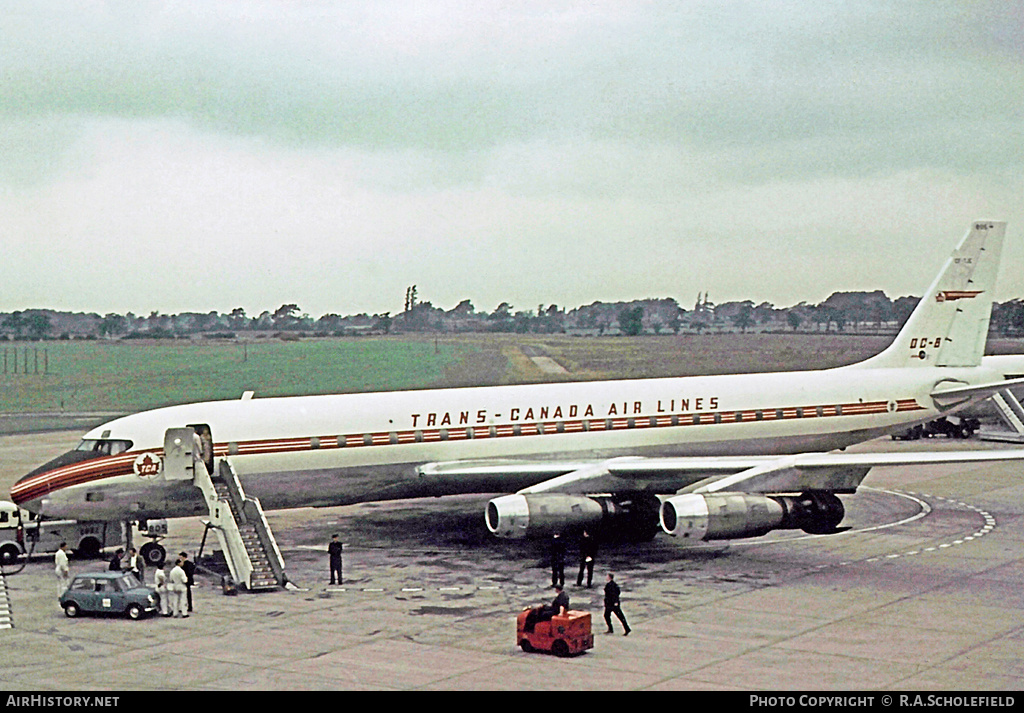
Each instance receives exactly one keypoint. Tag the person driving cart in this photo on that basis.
(559, 605)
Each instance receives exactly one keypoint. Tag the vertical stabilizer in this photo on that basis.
(949, 326)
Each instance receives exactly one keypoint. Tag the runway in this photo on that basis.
(923, 592)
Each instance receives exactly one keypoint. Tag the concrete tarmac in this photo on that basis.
(923, 592)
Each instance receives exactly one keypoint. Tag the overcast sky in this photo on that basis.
(198, 156)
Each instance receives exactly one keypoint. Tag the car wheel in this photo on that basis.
(71, 610)
(560, 648)
(526, 646)
(134, 611)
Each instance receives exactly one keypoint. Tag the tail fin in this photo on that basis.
(949, 326)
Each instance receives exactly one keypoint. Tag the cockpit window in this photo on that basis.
(104, 446)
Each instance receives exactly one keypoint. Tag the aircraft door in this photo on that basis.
(181, 452)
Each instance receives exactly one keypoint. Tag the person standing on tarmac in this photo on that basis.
(61, 568)
(160, 585)
(334, 552)
(588, 551)
(611, 605)
(189, 568)
(557, 561)
(135, 565)
(177, 587)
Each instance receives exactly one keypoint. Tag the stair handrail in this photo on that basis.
(230, 537)
(251, 512)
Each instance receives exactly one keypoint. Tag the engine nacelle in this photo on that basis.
(725, 516)
(516, 516)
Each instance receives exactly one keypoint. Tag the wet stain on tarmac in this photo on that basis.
(443, 611)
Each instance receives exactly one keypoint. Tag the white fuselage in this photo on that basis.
(331, 450)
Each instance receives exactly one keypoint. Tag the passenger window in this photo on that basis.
(83, 584)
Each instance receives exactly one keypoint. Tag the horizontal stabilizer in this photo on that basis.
(954, 396)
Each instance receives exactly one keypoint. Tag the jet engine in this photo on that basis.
(630, 516)
(725, 516)
(516, 516)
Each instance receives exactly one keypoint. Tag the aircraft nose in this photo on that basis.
(31, 488)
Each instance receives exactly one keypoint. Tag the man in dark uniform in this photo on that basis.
(559, 605)
(334, 552)
(190, 571)
(588, 551)
(611, 605)
(115, 561)
(557, 561)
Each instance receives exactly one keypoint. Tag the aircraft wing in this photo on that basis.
(835, 471)
(955, 395)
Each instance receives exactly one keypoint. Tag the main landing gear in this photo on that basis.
(153, 553)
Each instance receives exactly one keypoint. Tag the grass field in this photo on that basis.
(123, 377)
(131, 376)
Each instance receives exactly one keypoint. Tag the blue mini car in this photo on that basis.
(109, 592)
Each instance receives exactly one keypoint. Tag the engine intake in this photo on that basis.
(725, 516)
(516, 516)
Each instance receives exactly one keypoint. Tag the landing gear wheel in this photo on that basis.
(828, 512)
(153, 554)
(88, 548)
(9, 554)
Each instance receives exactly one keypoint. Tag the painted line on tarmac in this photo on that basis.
(989, 526)
(413, 590)
(925, 509)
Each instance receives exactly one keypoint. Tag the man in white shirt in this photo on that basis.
(61, 568)
(178, 580)
(160, 584)
(135, 565)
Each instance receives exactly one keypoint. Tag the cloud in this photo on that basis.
(334, 153)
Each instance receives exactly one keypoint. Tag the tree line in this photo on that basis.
(861, 312)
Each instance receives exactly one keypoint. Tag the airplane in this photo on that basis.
(699, 457)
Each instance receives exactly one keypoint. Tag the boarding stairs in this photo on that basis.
(262, 559)
(245, 537)
(1011, 413)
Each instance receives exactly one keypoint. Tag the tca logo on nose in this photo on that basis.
(147, 465)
